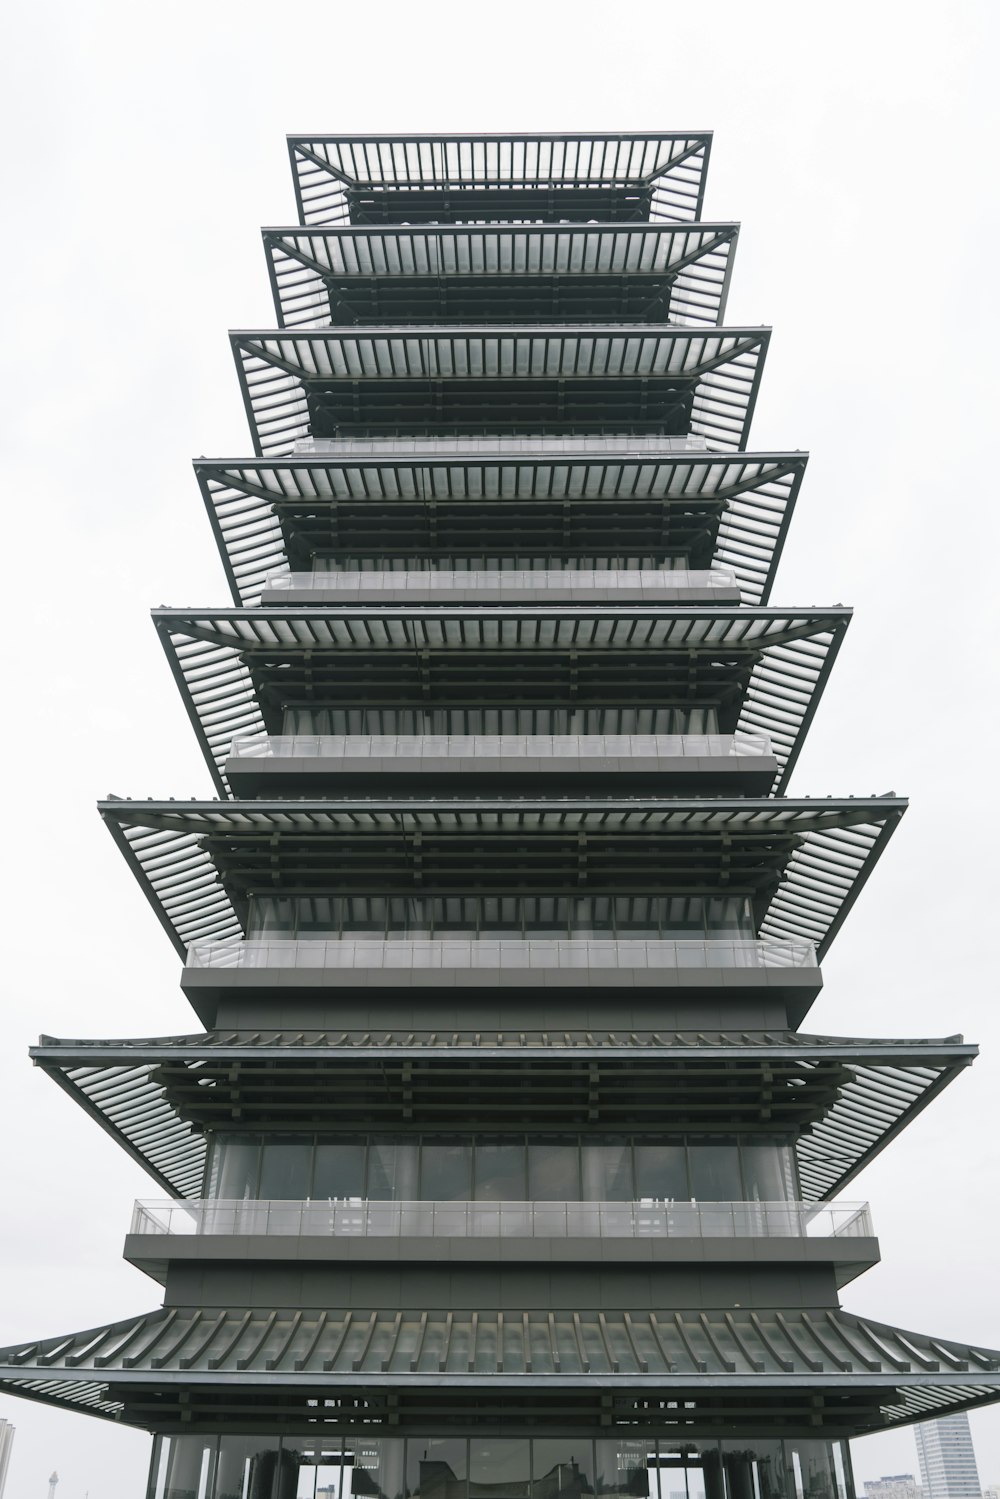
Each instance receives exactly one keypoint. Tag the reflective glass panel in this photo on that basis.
(623, 1467)
(446, 1170)
(500, 1171)
(755, 1469)
(339, 1169)
(248, 1468)
(554, 1171)
(562, 1468)
(499, 1468)
(607, 1171)
(437, 1468)
(183, 1468)
(661, 1170)
(715, 1170)
(768, 1170)
(286, 1167)
(392, 1170)
(374, 1468)
(234, 1166)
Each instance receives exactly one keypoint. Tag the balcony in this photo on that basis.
(499, 445)
(737, 762)
(624, 585)
(508, 1220)
(839, 1235)
(711, 975)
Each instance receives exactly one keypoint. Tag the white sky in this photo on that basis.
(144, 148)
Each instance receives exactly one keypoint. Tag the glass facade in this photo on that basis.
(491, 562)
(496, 1467)
(669, 916)
(508, 1168)
(479, 719)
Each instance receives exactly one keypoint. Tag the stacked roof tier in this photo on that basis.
(501, 1166)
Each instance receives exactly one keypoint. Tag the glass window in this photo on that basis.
(715, 1170)
(499, 1175)
(688, 1472)
(446, 1171)
(286, 1167)
(234, 1162)
(339, 1169)
(436, 1468)
(768, 1170)
(562, 1468)
(754, 1470)
(271, 916)
(373, 1468)
(661, 1170)
(248, 1467)
(183, 1467)
(623, 1467)
(814, 1470)
(499, 1466)
(319, 1469)
(554, 1171)
(392, 1170)
(607, 1171)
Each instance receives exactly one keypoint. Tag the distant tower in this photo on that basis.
(52, 1485)
(6, 1443)
(947, 1458)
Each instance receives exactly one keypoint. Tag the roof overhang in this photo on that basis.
(680, 271)
(871, 1090)
(665, 170)
(803, 862)
(749, 498)
(719, 368)
(219, 658)
(791, 1371)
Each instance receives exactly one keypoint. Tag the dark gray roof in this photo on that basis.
(873, 1089)
(819, 852)
(670, 164)
(276, 367)
(246, 500)
(212, 653)
(692, 261)
(688, 1356)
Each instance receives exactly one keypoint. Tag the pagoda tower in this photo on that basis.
(500, 1166)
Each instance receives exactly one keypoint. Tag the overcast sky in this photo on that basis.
(144, 146)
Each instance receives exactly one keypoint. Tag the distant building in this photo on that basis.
(947, 1458)
(893, 1486)
(6, 1443)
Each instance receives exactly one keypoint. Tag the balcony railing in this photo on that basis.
(491, 1220)
(518, 749)
(500, 951)
(483, 585)
(501, 444)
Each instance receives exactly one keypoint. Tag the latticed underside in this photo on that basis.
(803, 862)
(660, 273)
(268, 518)
(851, 1097)
(662, 1369)
(353, 178)
(387, 382)
(236, 668)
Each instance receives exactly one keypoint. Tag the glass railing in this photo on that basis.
(520, 749)
(353, 1217)
(498, 445)
(651, 583)
(501, 951)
